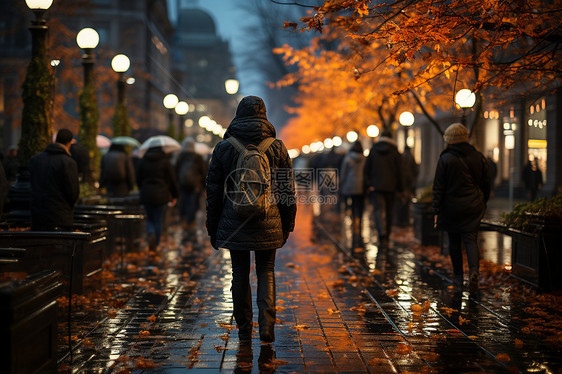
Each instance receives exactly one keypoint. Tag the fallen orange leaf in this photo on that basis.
(403, 348)
(152, 318)
(503, 357)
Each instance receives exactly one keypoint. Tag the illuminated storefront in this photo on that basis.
(537, 134)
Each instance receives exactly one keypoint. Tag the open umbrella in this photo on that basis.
(102, 141)
(168, 144)
(203, 149)
(126, 140)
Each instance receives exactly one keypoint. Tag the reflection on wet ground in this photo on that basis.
(340, 309)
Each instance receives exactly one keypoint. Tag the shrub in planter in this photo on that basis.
(536, 231)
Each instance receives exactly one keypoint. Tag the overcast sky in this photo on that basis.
(227, 21)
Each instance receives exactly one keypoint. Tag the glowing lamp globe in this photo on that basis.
(87, 38)
(39, 4)
(231, 86)
(120, 63)
(352, 136)
(465, 98)
(373, 131)
(182, 108)
(406, 119)
(170, 101)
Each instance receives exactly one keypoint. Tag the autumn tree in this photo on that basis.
(421, 52)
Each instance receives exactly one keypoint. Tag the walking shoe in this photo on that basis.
(151, 242)
(473, 282)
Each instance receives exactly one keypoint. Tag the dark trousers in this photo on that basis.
(383, 206)
(189, 205)
(154, 220)
(357, 205)
(242, 293)
(456, 239)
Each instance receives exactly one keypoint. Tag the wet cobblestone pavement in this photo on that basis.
(339, 310)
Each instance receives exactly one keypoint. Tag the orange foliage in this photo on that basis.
(369, 55)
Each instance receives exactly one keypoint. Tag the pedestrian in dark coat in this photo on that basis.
(191, 171)
(117, 173)
(383, 176)
(81, 155)
(532, 177)
(158, 187)
(54, 186)
(461, 189)
(242, 235)
(353, 188)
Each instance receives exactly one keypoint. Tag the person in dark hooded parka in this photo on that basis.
(383, 176)
(242, 235)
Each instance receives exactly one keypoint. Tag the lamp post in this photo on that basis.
(37, 96)
(231, 86)
(88, 39)
(407, 119)
(120, 64)
(465, 99)
(170, 102)
(37, 89)
(181, 109)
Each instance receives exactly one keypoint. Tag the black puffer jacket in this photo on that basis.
(223, 224)
(54, 188)
(460, 189)
(383, 167)
(156, 178)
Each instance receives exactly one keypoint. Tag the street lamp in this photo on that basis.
(37, 93)
(373, 131)
(352, 136)
(406, 119)
(37, 98)
(231, 86)
(465, 99)
(120, 64)
(181, 109)
(170, 101)
(88, 39)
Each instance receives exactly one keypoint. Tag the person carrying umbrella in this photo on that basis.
(117, 174)
(158, 187)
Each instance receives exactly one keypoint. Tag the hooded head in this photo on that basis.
(456, 133)
(357, 147)
(188, 145)
(251, 106)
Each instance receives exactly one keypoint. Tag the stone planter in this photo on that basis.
(28, 327)
(423, 224)
(536, 254)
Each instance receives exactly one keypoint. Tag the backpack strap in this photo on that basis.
(236, 143)
(264, 145)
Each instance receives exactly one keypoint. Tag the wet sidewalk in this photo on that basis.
(339, 310)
